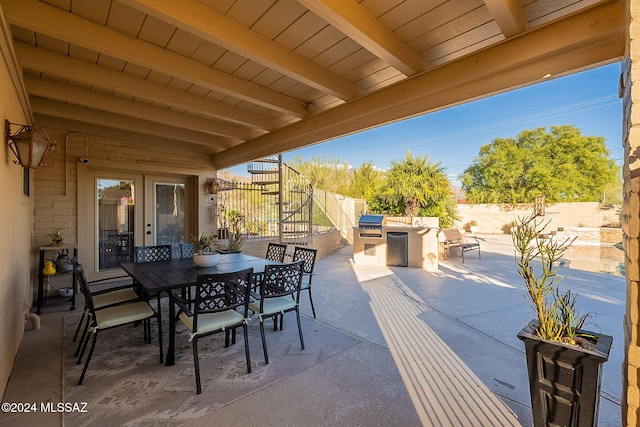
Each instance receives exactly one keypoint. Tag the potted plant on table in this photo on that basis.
(236, 235)
(204, 250)
(57, 237)
(564, 360)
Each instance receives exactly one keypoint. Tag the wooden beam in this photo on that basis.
(59, 91)
(508, 15)
(46, 61)
(198, 19)
(70, 125)
(51, 21)
(118, 121)
(356, 23)
(592, 37)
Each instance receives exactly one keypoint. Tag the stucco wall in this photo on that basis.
(495, 219)
(15, 246)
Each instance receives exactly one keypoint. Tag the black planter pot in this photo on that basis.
(564, 380)
(227, 251)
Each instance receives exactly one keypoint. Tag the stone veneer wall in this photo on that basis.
(631, 217)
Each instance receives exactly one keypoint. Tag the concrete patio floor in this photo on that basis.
(436, 349)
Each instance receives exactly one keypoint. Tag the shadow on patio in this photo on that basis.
(390, 346)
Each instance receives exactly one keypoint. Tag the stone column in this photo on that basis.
(630, 85)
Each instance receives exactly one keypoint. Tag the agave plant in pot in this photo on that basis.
(564, 360)
(204, 250)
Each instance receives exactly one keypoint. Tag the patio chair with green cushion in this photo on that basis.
(279, 294)
(111, 316)
(101, 298)
(309, 258)
(215, 309)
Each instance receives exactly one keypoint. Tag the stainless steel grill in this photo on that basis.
(370, 225)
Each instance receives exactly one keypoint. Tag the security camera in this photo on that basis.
(84, 160)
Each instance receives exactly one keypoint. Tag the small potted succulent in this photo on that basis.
(236, 234)
(204, 249)
(57, 237)
(563, 359)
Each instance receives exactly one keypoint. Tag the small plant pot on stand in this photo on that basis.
(564, 379)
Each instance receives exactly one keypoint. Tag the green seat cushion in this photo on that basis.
(123, 314)
(209, 322)
(273, 305)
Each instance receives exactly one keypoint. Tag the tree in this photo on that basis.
(563, 165)
(327, 173)
(364, 181)
(415, 187)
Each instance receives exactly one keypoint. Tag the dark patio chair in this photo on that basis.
(279, 294)
(111, 316)
(186, 250)
(215, 309)
(309, 257)
(152, 253)
(276, 252)
(103, 297)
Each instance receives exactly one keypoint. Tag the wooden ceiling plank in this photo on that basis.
(45, 61)
(356, 23)
(118, 121)
(48, 20)
(204, 22)
(509, 15)
(47, 88)
(595, 35)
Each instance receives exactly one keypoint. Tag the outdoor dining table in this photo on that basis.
(165, 276)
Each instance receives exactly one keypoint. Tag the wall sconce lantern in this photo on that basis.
(31, 146)
(212, 186)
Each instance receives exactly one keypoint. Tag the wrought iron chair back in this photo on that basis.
(282, 280)
(153, 253)
(276, 252)
(186, 250)
(308, 256)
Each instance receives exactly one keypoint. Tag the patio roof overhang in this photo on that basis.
(242, 79)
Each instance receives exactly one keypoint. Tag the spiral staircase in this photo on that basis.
(291, 193)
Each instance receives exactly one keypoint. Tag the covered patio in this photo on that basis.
(155, 91)
(390, 346)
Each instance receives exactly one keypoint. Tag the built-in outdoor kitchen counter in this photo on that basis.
(406, 242)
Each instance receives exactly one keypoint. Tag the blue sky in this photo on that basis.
(588, 100)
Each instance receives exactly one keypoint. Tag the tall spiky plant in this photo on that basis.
(558, 317)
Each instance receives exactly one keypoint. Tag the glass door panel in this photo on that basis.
(115, 222)
(170, 215)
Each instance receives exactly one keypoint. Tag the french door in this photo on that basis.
(123, 210)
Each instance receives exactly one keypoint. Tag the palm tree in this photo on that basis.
(418, 184)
